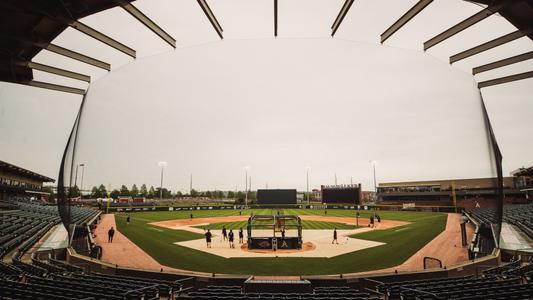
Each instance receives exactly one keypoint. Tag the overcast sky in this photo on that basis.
(305, 99)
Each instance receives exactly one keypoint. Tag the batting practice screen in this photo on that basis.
(276, 196)
(341, 194)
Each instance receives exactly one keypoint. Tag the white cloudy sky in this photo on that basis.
(211, 107)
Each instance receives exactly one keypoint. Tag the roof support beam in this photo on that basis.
(411, 13)
(209, 14)
(462, 25)
(137, 14)
(503, 63)
(76, 56)
(487, 46)
(505, 79)
(62, 51)
(340, 17)
(102, 38)
(54, 70)
(275, 18)
(56, 87)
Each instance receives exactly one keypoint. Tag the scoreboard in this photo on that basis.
(269, 196)
(341, 194)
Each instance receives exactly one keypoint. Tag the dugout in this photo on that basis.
(277, 224)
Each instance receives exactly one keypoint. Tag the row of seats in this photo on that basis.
(485, 287)
(27, 222)
(235, 292)
(520, 215)
(23, 285)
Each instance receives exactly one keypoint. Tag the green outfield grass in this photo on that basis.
(305, 225)
(401, 243)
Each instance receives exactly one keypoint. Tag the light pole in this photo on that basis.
(246, 186)
(162, 164)
(76, 177)
(307, 177)
(375, 184)
(82, 171)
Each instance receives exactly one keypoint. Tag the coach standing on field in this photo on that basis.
(110, 234)
(208, 238)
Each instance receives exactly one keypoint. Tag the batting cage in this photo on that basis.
(273, 232)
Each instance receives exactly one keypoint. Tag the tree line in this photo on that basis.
(152, 192)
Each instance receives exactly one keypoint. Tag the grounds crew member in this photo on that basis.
(335, 236)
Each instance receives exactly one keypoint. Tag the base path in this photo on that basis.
(122, 251)
(446, 247)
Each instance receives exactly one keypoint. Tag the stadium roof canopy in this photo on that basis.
(29, 26)
(12, 169)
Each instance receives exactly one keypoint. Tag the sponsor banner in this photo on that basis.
(408, 205)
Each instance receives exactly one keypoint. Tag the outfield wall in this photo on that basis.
(425, 208)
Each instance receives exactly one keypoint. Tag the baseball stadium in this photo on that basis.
(266, 149)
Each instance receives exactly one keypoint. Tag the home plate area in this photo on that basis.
(317, 243)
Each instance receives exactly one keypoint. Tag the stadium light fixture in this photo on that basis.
(246, 168)
(307, 169)
(373, 162)
(82, 172)
(162, 164)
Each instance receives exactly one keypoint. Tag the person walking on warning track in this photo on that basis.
(241, 236)
(335, 237)
(208, 238)
(224, 233)
(110, 234)
(230, 239)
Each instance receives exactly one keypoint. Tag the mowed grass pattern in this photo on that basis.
(306, 224)
(401, 243)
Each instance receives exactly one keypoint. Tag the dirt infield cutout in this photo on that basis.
(318, 242)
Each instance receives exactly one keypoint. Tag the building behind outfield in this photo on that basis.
(18, 182)
(464, 193)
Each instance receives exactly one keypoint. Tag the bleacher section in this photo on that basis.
(520, 215)
(25, 223)
(60, 285)
(236, 292)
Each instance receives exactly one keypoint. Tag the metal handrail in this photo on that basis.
(139, 290)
